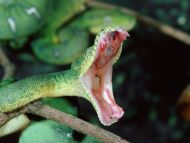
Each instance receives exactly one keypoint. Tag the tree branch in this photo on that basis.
(164, 28)
(3, 119)
(9, 68)
(50, 113)
(82, 126)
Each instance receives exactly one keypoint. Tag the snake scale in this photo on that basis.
(89, 77)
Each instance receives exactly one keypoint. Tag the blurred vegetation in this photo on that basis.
(148, 79)
(172, 12)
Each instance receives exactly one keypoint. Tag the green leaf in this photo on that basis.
(46, 131)
(90, 139)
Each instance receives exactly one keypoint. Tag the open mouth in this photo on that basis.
(98, 78)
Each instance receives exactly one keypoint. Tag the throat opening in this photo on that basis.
(96, 85)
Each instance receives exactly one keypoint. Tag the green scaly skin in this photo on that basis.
(61, 11)
(71, 40)
(68, 45)
(59, 45)
(66, 83)
(51, 85)
(14, 125)
(20, 18)
(94, 18)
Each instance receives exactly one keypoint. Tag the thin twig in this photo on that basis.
(164, 28)
(79, 125)
(9, 68)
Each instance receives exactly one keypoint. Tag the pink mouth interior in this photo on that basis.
(98, 78)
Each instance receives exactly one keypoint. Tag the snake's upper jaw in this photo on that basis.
(97, 81)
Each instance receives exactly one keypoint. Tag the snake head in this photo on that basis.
(95, 72)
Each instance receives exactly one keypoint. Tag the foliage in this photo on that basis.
(49, 131)
(149, 77)
(56, 33)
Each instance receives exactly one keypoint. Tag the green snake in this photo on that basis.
(89, 77)
(68, 42)
(20, 18)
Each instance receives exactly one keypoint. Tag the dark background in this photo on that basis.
(148, 79)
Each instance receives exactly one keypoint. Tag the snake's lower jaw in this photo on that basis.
(98, 85)
(107, 109)
(98, 79)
